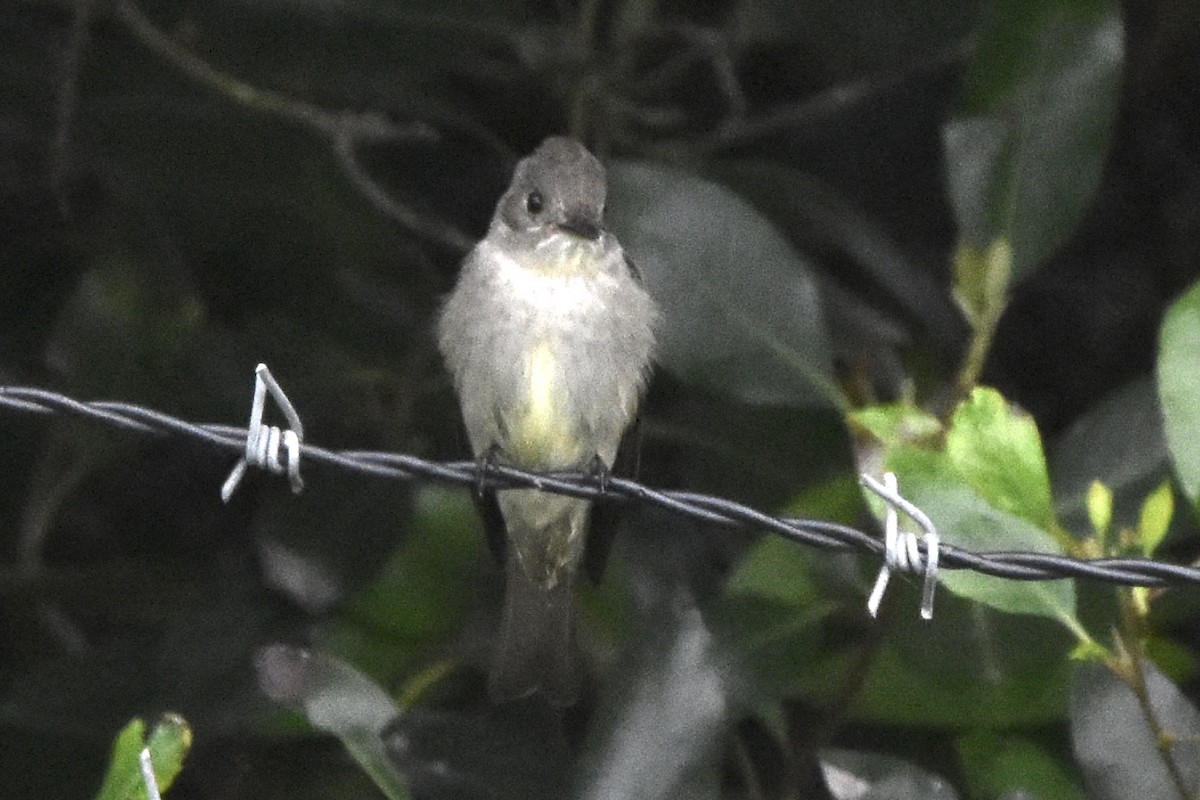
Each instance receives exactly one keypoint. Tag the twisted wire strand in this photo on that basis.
(1018, 566)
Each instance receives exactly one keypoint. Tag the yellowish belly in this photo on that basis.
(544, 433)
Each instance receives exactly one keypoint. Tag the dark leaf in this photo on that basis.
(1121, 757)
(1025, 153)
(741, 312)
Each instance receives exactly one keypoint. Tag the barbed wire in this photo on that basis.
(1011, 565)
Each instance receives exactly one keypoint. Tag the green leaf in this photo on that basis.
(1099, 507)
(969, 663)
(998, 765)
(775, 569)
(1027, 150)
(169, 742)
(968, 520)
(988, 489)
(777, 643)
(997, 450)
(771, 616)
(992, 668)
(981, 279)
(896, 424)
(1178, 367)
(1155, 518)
(741, 310)
(1174, 658)
(416, 601)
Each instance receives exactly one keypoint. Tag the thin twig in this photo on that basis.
(818, 110)
(68, 99)
(344, 131)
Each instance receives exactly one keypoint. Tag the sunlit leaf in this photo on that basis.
(1099, 507)
(1155, 518)
(986, 489)
(997, 450)
(896, 424)
(168, 742)
(966, 519)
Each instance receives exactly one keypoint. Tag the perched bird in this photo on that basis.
(549, 336)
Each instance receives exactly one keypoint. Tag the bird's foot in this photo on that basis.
(599, 472)
(483, 465)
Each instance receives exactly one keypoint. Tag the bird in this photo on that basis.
(549, 335)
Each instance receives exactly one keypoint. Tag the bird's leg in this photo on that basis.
(604, 521)
(487, 506)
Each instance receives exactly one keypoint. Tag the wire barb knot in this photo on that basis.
(263, 441)
(902, 552)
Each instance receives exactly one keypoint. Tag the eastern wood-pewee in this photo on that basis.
(548, 335)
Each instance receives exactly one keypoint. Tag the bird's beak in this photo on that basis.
(581, 225)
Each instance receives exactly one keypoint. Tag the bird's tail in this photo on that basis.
(534, 651)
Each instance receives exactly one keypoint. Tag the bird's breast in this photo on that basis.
(549, 347)
(544, 430)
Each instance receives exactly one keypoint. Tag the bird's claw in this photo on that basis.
(483, 465)
(599, 472)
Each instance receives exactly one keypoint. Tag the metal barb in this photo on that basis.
(263, 441)
(902, 552)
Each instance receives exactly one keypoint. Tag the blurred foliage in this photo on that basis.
(939, 237)
(167, 745)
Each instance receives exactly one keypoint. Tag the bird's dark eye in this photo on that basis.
(534, 203)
